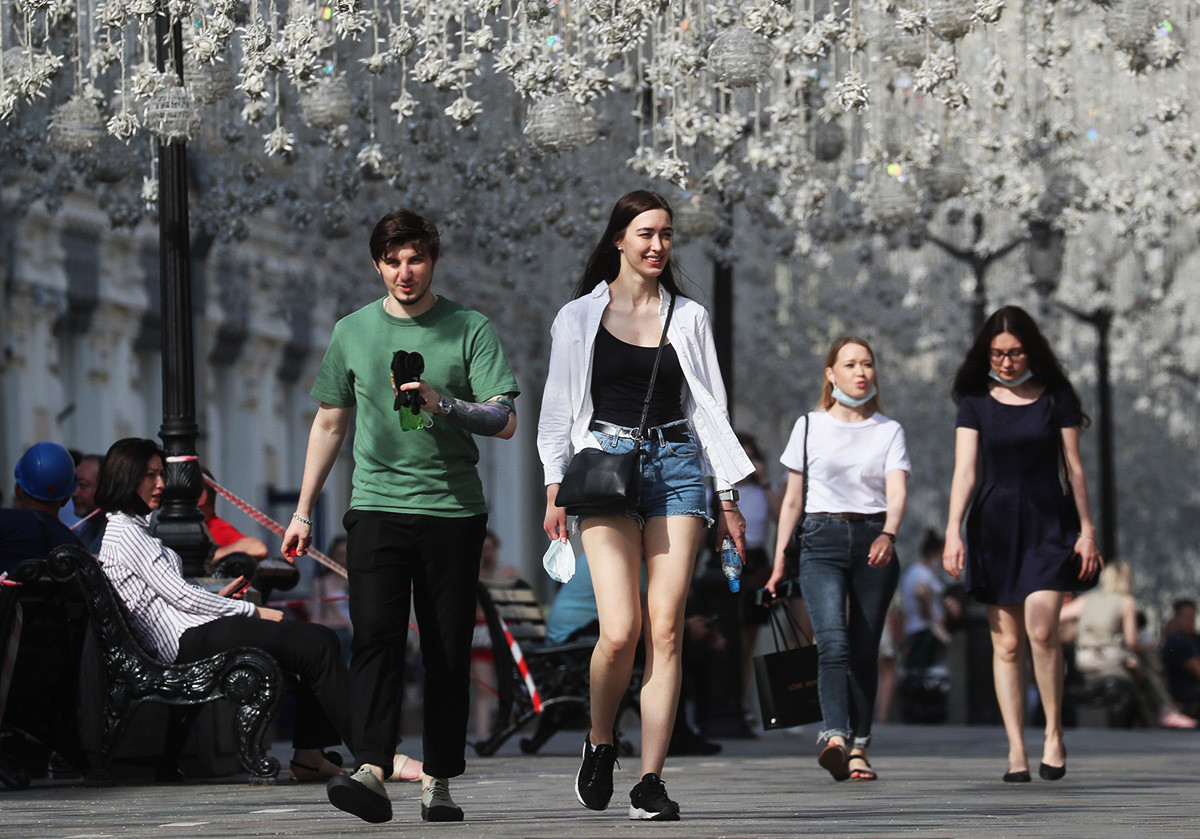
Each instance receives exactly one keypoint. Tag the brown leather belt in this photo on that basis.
(851, 516)
(674, 433)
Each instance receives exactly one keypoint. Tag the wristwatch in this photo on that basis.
(728, 495)
(445, 405)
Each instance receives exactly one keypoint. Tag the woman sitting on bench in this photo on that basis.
(176, 621)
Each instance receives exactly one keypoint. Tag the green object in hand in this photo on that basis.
(410, 420)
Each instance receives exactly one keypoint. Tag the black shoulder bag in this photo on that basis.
(597, 480)
(792, 552)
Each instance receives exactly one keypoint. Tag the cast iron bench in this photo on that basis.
(129, 676)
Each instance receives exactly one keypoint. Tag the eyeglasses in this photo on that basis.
(1013, 355)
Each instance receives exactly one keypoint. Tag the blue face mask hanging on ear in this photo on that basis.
(849, 401)
(1019, 380)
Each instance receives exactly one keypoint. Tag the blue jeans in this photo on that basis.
(672, 481)
(834, 573)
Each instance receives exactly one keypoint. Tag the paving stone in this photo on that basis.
(934, 781)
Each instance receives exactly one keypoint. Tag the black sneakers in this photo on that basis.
(594, 784)
(648, 801)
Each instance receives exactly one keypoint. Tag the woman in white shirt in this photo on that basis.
(177, 621)
(604, 344)
(852, 506)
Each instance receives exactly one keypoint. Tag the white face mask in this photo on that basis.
(849, 401)
(1019, 380)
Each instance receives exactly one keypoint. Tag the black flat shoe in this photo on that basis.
(1020, 777)
(1051, 773)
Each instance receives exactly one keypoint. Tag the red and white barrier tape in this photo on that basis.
(278, 529)
(271, 525)
(85, 518)
(522, 667)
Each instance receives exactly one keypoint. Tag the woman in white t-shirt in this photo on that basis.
(853, 506)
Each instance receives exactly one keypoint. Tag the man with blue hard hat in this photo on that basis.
(45, 481)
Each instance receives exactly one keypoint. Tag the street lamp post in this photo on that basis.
(980, 261)
(1044, 258)
(1102, 319)
(180, 522)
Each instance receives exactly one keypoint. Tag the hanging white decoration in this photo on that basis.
(740, 58)
(77, 125)
(892, 203)
(947, 177)
(559, 123)
(209, 81)
(327, 103)
(693, 214)
(1130, 24)
(171, 114)
(905, 49)
(949, 19)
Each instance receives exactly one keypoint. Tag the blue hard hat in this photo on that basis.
(46, 472)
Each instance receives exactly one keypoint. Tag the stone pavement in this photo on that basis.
(935, 781)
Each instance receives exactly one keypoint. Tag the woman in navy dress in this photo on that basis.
(1019, 416)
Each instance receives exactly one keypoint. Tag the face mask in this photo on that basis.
(1019, 380)
(850, 401)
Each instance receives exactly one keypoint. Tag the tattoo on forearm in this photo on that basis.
(486, 419)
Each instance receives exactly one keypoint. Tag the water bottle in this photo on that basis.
(731, 564)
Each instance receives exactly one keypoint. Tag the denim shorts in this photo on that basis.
(672, 482)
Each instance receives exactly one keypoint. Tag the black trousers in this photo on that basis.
(309, 650)
(436, 559)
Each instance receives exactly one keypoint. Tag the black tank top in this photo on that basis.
(620, 376)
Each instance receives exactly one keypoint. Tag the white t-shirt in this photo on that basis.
(847, 461)
(913, 578)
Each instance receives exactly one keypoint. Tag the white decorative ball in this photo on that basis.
(209, 81)
(1131, 24)
(327, 103)
(693, 214)
(77, 125)
(171, 114)
(949, 19)
(740, 58)
(559, 123)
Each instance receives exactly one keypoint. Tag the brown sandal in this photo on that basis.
(833, 760)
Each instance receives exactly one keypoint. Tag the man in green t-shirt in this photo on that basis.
(417, 515)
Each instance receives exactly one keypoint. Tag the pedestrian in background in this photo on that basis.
(1020, 417)
(849, 464)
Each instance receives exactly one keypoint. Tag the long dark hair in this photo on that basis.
(122, 470)
(972, 377)
(605, 261)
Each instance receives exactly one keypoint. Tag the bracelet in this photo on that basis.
(733, 509)
(891, 536)
(302, 519)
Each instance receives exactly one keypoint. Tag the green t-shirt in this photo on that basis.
(428, 470)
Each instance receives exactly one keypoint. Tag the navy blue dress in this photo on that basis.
(1022, 527)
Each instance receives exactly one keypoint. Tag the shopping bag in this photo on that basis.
(787, 678)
